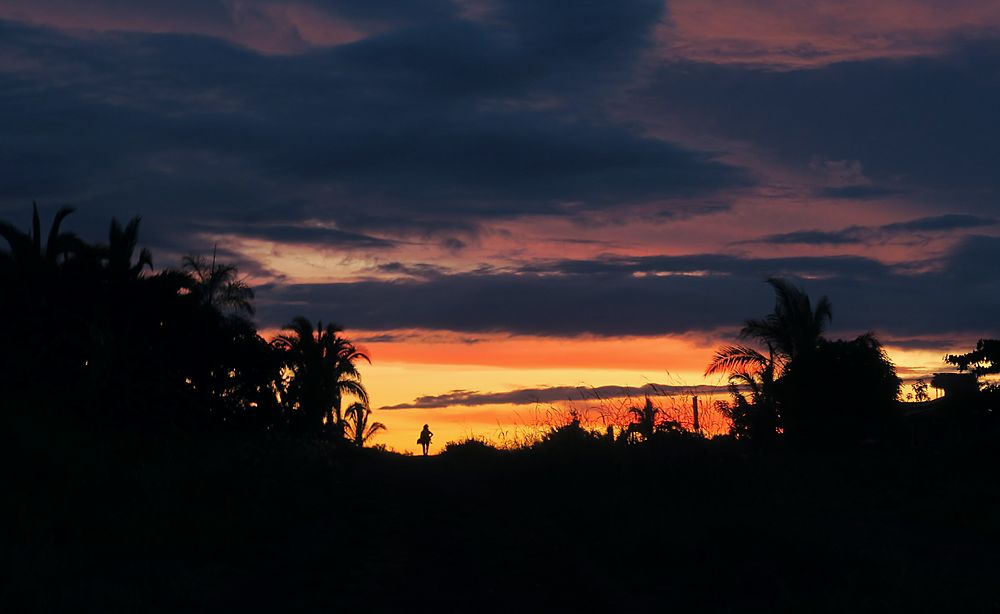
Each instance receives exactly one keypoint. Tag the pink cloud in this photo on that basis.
(800, 33)
(262, 25)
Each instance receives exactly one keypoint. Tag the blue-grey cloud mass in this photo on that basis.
(410, 144)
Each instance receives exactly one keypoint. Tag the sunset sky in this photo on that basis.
(506, 200)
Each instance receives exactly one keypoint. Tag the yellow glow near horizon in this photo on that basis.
(398, 382)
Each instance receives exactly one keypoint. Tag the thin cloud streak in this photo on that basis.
(554, 394)
(911, 229)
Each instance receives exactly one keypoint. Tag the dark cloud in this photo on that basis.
(303, 235)
(926, 123)
(403, 132)
(858, 192)
(908, 230)
(709, 265)
(271, 26)
(582, 34)
(453, 244)
(941, 223)
(816, 237)
(390, 11)
(174, 11)
(668, 295)
(925, 343)
(436, 125)
(554, 394)
(418, 270)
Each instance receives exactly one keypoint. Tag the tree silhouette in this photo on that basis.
(845, 392)
(28, 256)
(122, 243)
(749, 371)
(984, 360)
(94, 328)
(118, 312)
(794, 329)
(218, 286)
(789, 335)
(980, 362)
(37, 302)
(323, 370)
(645, 419)
(809, 388)
(357, 428)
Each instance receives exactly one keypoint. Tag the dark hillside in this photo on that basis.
(284, 524)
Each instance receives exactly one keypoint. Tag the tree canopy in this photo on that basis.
(790, 379)
(100, 334)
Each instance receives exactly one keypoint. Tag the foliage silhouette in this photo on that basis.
(569, 439)
(920, 391)
(28, 256)
(793, 330)
(984, 360)
(470, 449)
(323, 369)
(130, 347)
(122, 243)
(842, 392)
(649, 421)
(754, 417)
(980, 363)
(358, 429)
(218, 286)
(805, 386)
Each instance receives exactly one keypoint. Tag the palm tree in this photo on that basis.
(323, 372)
(741, 360)
(794, 329)
(791, 335)
(122, 243)
(217, 286)
(120, 330)
(749, 371)
(357, 428)
(27, 255)
(645, 419)
(747, 368)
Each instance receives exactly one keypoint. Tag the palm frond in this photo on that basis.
(53, 247)
(736, 358)
(373, 430)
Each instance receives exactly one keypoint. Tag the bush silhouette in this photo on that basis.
(470, 449)
(844, 392)
(803, 385)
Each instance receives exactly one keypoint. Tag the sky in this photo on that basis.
(519, 207)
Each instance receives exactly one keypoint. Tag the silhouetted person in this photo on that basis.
(425, 439)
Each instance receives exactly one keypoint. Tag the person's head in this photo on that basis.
(425, 427)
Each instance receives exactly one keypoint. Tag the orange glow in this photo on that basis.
(685, 356)
(402, 372)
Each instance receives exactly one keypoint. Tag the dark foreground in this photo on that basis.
(123, 523)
